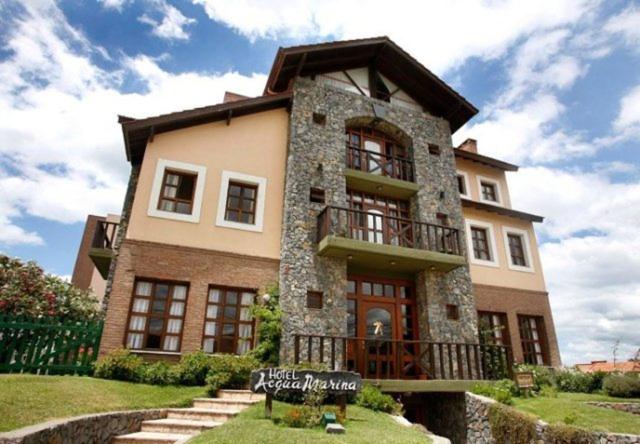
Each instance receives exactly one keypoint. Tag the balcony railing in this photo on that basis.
(387, 230)
(381, 164)
(104, 235)
(405, 359)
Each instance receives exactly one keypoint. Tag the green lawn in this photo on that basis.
(363, 427)
(30, 399)
(554, 410)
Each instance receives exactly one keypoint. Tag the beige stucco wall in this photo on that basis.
(253, 145)
(474, 170)
(503, 276)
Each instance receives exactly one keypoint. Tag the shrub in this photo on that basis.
(566, 434)
(159, 373)
(372, 398)
(510, 426)
(27, 291)
(575, 381)
(300, 417)
(193, 368)
(268, 316)
(502, 391)
(622, 386)
(229, 372)
(121, 365)
(548, 391)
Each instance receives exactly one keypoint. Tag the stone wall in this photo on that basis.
(316, 158)
(95, 429)
(479, 429)
(629, 407)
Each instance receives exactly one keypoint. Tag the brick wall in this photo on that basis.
(516, 302)
(200, 268)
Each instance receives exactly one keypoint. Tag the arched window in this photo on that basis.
(375, 152)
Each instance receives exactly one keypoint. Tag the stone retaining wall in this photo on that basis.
(479, 429)
(88, 429)
(629, 407)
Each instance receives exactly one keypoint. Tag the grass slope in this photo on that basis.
(554, 410)
(363, 427)
(30, 399)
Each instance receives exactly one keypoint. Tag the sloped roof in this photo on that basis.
(609, 367)
(387, 57)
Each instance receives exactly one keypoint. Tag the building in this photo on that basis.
(392, 248)
(630, 366)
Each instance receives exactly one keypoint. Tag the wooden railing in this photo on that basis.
(48, 345)
(377, 163)
(405, 359)
(104, 235)
(388, 230)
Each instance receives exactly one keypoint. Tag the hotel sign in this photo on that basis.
(274, 380)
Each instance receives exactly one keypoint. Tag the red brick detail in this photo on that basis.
(514, 302)
(199, 267)
(83, 270)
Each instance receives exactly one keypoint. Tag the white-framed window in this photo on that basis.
(518, 249)
(177, 191)
(489, 190)
(481, 242)
(463, 184)
(241, 201)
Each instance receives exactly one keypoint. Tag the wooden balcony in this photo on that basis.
(101, 252)
(383, 359)
(380, 173)
(376, 241)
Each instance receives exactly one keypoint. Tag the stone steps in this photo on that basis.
(240, 394)
(223, 404)
(149, 438)
(219, 415)
(178, 426)
(181, 424)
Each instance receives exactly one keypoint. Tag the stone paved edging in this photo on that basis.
(479, 430)
(95, 428)
(629, 407)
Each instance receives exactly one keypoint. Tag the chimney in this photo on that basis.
(470, 145)
(232, 97)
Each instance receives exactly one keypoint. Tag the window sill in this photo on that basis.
(174, 216)
(154, 352)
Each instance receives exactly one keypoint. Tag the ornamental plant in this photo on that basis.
(26, 290)
(268, 318)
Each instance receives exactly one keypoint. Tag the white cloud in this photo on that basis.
(171, 24)
(118, 5)
(627, 25)
(589, 258)
(628, 119)
(61, 150)
(440, 34)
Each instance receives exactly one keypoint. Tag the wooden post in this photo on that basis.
(342, 403)
(268, 407)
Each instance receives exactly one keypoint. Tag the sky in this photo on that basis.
(557, 83)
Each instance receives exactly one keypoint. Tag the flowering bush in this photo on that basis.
(26, 290)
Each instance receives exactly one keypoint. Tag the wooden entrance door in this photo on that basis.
(381, 314)
(377, 326)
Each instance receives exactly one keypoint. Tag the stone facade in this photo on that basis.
(479, 429)
(317, 159)
(88, 429)
(122, 230)
(199, 268)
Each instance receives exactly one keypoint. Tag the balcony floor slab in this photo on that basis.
(376, 183)
(375, 256)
